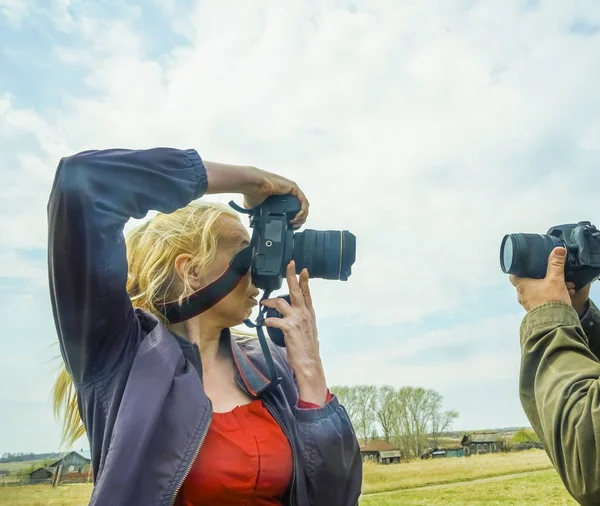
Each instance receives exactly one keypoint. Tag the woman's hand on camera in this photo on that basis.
(273, 184)
(299, 327)
(255, 185)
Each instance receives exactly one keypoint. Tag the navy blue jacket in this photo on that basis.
(139, 387)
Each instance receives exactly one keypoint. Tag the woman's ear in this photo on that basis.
(186, 271)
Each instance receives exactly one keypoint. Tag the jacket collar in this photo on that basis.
(252, 378)
(247, 373)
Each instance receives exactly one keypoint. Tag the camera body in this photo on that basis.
(526, 255)
(273, 240)
(327, 254)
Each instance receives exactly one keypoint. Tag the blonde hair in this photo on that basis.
(152, 248)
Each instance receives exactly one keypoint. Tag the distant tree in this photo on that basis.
(349, 399)
(407, 416)
(525, 436)
(27, 470)
(360, 402)
(441, 422)
(387, 411)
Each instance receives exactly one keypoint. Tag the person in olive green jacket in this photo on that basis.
(560, 375)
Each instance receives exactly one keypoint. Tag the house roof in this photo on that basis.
(389, 453)
(64, 455)
(48, 469)
(377, 446)
(484, 438)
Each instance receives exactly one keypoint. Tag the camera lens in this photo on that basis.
(327, 254)
(526, 255)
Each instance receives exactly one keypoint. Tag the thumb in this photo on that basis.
(556, 263)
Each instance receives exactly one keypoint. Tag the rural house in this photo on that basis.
(476, 444)
(72, 462)
(439, 453)
(380, 452)
(41, 475)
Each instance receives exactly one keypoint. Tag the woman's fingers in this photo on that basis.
(296, 297)
(280, 305)
(305, 289)
(276, 323)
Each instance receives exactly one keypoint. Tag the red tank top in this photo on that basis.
(245, 459)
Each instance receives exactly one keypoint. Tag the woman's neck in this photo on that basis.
(207, 335)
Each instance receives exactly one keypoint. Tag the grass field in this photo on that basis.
(13, 467)
(535, 489)
(379, 478)
(476, 480)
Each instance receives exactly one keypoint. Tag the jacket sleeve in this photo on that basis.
(560, 393)
(331, 454)
(93, 196)
(329, 448)
(590, 321)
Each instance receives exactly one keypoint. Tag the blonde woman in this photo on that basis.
(183, 413)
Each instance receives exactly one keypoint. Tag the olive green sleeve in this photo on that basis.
(590, 321)
(560, 393)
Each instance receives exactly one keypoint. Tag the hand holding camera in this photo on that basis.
(552, 288)
(294, 316)
(557, 266)
(273, 184)
(255, 185)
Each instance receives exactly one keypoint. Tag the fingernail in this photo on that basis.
(561, 252)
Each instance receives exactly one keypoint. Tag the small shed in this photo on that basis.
(41, 475)
(372, 451)
(477, 444)
(389, 457)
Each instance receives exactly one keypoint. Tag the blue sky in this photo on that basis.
(428, 133)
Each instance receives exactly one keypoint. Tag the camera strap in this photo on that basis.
(211, 294)
(258, 325)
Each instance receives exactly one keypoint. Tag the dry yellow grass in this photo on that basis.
(45, 495)
(379, 478)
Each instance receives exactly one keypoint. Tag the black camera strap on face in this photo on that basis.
(258, 325)
(207, 297)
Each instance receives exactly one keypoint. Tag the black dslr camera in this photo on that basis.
(327, 254)
(526, 255)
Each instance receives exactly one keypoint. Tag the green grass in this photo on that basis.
(543, 488)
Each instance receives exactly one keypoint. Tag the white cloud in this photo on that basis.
(490, 352)
(481, 381)
(420, 129)
(13, 10)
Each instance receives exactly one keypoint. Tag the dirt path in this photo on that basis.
(476, 481)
